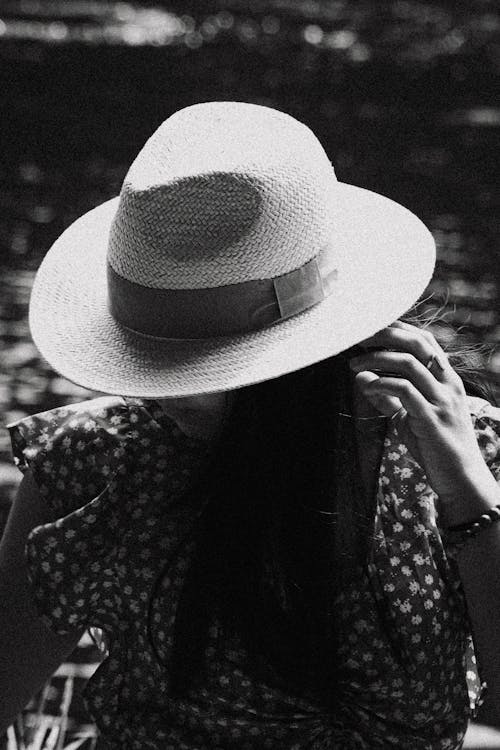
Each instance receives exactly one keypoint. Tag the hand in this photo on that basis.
(429, 407)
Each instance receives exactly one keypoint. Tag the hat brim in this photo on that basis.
(386, 257)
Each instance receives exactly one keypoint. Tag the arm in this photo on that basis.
(479, 564)
(29, 651)
(435, 423)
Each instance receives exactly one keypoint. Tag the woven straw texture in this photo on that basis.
(223, 194)
(384, 255)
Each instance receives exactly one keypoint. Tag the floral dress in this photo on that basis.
(115, 554)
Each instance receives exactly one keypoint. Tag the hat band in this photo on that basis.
(219, 311)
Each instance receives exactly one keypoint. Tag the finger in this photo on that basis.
(385, 403)
(439, 365)
(403, 333)
(416, 342)
(423, 331)
(404, 364)
(413, 401)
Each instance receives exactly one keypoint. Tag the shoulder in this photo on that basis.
(481, 407)
(67, 429)
(484, 413)
(486, 420)
(45, 429)
(73, 450)
(97, 407)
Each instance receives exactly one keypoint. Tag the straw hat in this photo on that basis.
(232, 255)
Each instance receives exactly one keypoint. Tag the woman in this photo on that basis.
(285, 524)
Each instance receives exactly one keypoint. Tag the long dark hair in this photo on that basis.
(275, 512)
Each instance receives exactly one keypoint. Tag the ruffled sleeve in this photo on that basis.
(77, 455)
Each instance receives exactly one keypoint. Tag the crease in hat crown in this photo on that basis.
(223, 193)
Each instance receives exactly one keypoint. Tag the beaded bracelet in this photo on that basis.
(464, 531)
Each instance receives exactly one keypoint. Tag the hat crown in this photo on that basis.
(222, 193)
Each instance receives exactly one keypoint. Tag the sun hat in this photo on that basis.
(231, 256)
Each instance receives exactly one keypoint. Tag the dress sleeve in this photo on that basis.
(487, 429)
(77, 455)
(414, 572)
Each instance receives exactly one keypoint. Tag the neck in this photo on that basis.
(200, 416)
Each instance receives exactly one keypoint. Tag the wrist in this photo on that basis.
(476, 493)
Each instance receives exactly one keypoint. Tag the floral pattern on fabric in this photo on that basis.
(115, 552)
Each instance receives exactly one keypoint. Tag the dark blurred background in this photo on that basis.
(403, 94)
